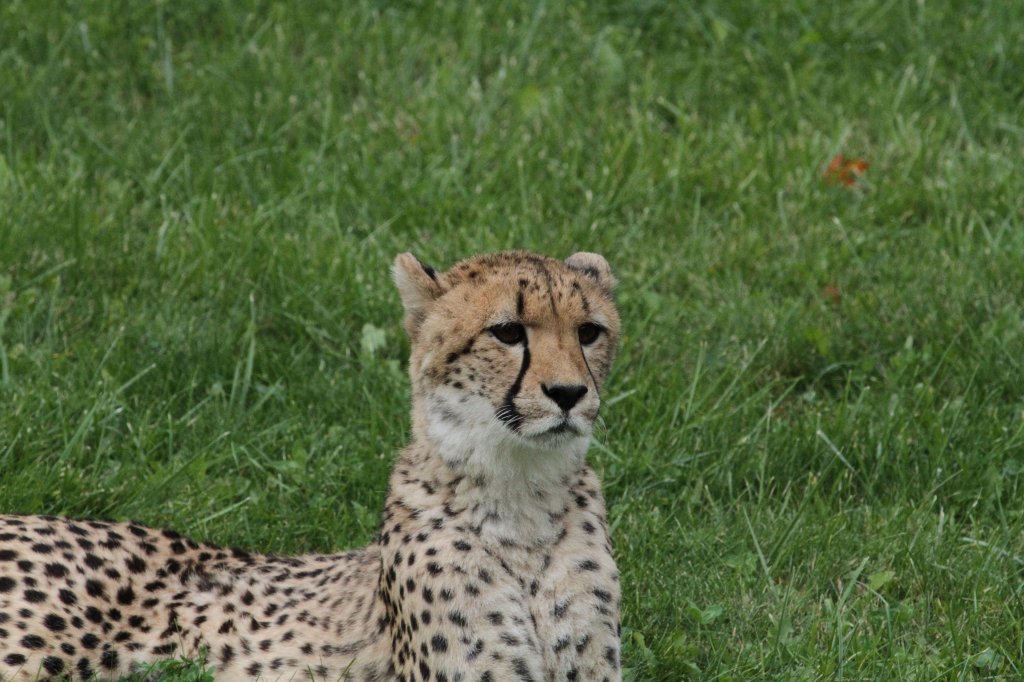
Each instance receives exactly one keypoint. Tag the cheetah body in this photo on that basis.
(493, 560)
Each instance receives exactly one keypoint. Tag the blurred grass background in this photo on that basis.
(813, 448)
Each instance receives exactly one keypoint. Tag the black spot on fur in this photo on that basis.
(34, 596)
(33, 642)
(53, 665)
(125, 595)
(55, 622)
(85, 670)
(56, 570)
(109, 659)
(522, 671)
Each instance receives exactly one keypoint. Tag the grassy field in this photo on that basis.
(813, 442)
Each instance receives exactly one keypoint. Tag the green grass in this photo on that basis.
(813, 448)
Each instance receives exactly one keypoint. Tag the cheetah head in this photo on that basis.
(509, 351)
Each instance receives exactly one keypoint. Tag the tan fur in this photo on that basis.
(493, 560)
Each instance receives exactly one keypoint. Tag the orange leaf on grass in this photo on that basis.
(843, 171)
(832, 294)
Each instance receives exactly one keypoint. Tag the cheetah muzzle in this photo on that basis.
(493, 560)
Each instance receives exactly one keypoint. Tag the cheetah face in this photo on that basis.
(509, 349)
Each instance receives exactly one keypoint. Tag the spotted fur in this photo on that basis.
(493, 560)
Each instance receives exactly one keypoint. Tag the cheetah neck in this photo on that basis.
(511, 493)
(504, 507)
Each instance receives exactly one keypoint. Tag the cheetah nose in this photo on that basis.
(565, 396)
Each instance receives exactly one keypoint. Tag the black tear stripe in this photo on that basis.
(597, 389)
(520, 304)
(508, 413)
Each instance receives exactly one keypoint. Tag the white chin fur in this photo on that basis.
(526, 476)
(473, 441)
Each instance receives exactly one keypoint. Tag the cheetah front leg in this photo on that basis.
(579, 629)
(577, 607)
(458, 622)
(459, 616)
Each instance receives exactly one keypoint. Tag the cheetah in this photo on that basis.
(492, 562)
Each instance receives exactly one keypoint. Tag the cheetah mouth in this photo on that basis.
(563, 427)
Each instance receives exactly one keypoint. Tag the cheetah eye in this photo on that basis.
(589, 332)
(510, 333)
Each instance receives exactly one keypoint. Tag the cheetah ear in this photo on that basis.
(418, 287)
(592, 265)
